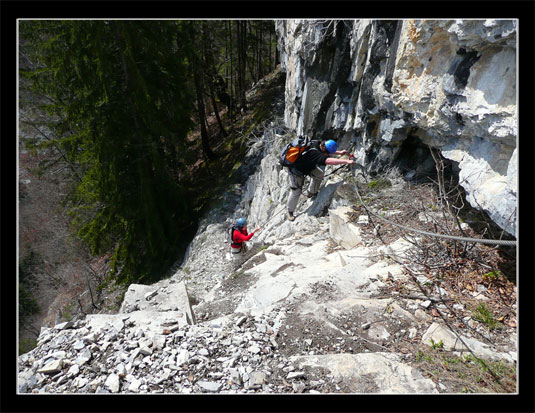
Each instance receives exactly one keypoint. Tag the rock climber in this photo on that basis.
(312, 162)
(240, 235)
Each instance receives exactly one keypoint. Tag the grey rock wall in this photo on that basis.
(449, 84)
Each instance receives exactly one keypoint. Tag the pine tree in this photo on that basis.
(120, 97)
(121, 109)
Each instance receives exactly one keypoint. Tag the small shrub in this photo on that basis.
(485, 316)
(239, 274)
(119, 300)
(452, 360)
(492, 275)
(101, 286)
(466, 372)
(27, 264)
(423, 356)
(437, 346)
(379, 184)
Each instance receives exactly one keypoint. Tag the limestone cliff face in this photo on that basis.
(383, 85)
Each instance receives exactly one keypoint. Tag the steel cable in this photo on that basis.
(434, 234)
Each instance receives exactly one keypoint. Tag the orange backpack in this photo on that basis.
(293, 151)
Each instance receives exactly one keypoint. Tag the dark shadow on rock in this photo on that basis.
(323, 200)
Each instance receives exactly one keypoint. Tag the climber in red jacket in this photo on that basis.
(240, 235)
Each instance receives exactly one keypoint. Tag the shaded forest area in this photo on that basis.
(127, 130)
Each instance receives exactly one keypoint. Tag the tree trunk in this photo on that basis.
(240, 61)
(195, 69)
(269, 51)
(250, 62)
(242, 53)
(212, 75)
(232, 95)
(145, 169)
(260, 72)
(277, 57)
(216, 111)
(202, 115)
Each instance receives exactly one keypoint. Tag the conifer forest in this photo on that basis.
(122, 124)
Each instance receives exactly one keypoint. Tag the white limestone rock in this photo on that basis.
(209, 386)
(438, 333)
(341, 230)
(451, 83)
(52, 367)
(113, 383)
(382, 371)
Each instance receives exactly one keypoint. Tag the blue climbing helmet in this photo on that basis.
(331, 146)
(241, 222)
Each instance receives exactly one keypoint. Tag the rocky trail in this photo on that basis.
(314, 308)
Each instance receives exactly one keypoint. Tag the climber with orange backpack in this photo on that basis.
(238, 235)
(306, 157)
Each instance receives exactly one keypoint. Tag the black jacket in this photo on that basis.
(310, 159)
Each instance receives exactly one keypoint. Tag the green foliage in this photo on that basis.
(452, 360)
(240, 273)
(421, 356)
(466, 373)
(485, 316)
(68, 311)
(28, 305)
(119, 300)
(493, 275)
(119, 96)
(379, 183)
(120, 104)
(437, 346)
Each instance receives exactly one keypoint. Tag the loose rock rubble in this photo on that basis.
(231, 355)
